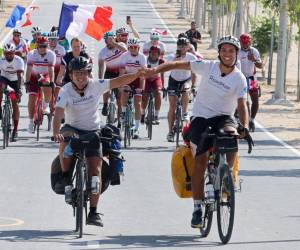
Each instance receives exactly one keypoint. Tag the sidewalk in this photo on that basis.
(282, 121)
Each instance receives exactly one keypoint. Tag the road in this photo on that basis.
(144, 212)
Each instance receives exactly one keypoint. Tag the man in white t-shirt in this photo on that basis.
(223, 88)
(154, 42)
(78, 101)
(109, 67)
(131, 62)
(250, 60)
(40, 68)
(11, 74)
(179, 80)
(20, 43)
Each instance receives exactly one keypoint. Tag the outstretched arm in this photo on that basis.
(125, 79)
(170, 66)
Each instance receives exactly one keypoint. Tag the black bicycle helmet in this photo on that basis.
(182, 35)
(182, 41)
(80, 64)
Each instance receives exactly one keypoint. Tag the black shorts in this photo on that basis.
(13, 84)
(89, 152)
(200, 124)
(110, 75)
(174, 85)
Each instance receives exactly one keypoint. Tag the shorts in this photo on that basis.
(13, 84)
(33, 87)
(153, 84)
(110, 75)
(174, 85)
(89, 152)
(135, 86)
(200, 124)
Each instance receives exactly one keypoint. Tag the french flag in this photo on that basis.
(93, 20)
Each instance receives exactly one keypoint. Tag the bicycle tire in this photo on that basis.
(226, 198)
(8, 122)
(177, 124)
(207, 214)
(150, 118)
(39, 120)
(4, 126)
(111, 113)
(79, 198)
(49, 121)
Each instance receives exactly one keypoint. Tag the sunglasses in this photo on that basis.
(52, 39)
(133, 47)
(16, 34)
(9, 53)
(124, 35)
(44, 46)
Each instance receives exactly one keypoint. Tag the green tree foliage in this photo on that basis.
(261, 34)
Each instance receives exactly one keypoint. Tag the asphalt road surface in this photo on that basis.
(144, 211)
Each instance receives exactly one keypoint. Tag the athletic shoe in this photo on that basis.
(170, 137)
(196, 221)
(94, 219)
(30, 128)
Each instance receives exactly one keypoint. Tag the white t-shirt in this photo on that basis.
(41, 63)
(217, 95)
(148, 45)
(131, 64)
(21, 47)
(247, 66)
(83, 112)
(59, 52)
(9, 69)
(181, 75)
(112, 58)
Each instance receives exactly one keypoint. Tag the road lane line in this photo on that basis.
(16, 222)
(274, 137)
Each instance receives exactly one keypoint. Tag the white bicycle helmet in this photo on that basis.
(133, 41)
(154, 35)
(121, 30)
(229, 40)
(35, 30)
(9, 47)
(17, 31)
(53, 35)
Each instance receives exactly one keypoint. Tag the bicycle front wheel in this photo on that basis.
(39, 120)
(79, 198)
(5, 126)
(225, 205)
(150, 119)
(177, 125)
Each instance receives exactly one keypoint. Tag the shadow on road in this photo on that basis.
(273, 173)
(148, 241)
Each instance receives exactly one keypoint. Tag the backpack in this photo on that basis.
(182, 170)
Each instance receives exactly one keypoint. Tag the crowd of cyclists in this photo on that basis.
(125, 65)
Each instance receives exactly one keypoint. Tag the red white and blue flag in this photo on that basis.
(92, 20)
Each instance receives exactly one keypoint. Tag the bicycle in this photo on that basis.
(112, 107)
(81, 192)
(128, 124)
(38, 113)
(150, 115)
(219, 193)
(6, 123)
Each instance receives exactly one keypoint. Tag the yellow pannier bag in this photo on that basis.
(182, 170)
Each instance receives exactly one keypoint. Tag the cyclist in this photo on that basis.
(12, 69)
(250, 60)
(79, 101)
(154, 83)
(61, 40)
(59, 51)
(191, 48)
(223, 87)
(154, 41)
(63, 75)
(20, 44)
(179, 79)
(40, 68)
(36, 32)
(131, 61)
(122, 35)
(109, 66)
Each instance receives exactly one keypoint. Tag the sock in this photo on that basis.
(137, 124)
(197, 205)
(105, 104)
(252, 119)
(156, 113)
(93, 210)
(142, 111)
(16, 123)
(31, 121)
(123, 109)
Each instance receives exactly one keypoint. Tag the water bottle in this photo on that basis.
(95, 185)
(210, 191)
(68, 194)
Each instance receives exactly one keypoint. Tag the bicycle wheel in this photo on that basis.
(111, 113)
(150, 118)
(5, 129)
(39, 120)
(207, 215)
(49, 121)
(79, 198)
(8, 122)
(177, 124)
(225, 205)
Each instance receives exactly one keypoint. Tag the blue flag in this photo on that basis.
(66, 18)
(15, 16)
